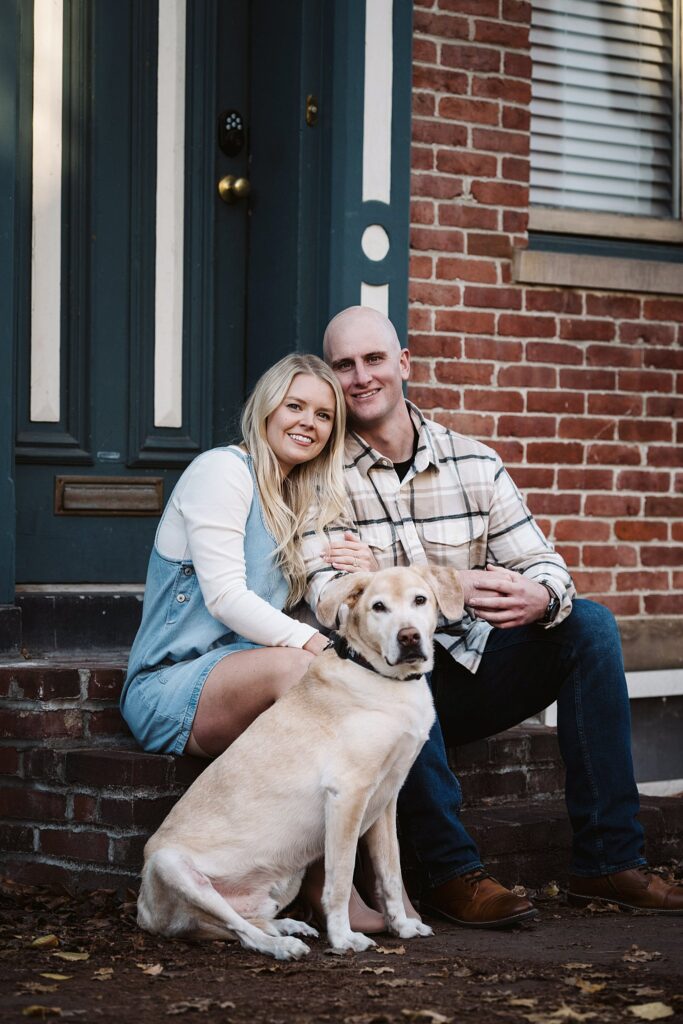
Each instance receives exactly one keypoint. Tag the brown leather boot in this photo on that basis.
(476, 900)
(636, 889)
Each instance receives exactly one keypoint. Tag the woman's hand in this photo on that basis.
(351, 555)
(316, 644)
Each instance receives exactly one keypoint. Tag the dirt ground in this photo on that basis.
(83, 958)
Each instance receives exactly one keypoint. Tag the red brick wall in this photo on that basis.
(580, 392)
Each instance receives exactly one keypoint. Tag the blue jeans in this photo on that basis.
(523, 670)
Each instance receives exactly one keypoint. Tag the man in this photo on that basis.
(421, 493)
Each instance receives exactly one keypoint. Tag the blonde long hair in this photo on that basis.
(312, 495)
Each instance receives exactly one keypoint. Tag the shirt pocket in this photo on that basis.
(383, 539)
(459, 543)
(184, 586)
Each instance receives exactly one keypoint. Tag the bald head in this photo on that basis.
(360, 322)
(362, 347)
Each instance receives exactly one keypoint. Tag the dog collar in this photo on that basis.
(342, 649)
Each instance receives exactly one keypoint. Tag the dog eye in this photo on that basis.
(420, 599)
(379, 606)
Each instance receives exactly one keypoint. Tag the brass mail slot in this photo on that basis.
(109, 495)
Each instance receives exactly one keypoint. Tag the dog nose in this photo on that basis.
(408, 637)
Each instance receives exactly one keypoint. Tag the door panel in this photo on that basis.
(109, 425)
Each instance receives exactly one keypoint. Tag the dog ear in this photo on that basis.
(344, 591)
(447, 589)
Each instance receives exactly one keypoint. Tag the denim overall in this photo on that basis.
(179, 641)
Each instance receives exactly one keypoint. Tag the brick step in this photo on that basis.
(94, 838)
(523, 763)
(70, 700)
(529, 843)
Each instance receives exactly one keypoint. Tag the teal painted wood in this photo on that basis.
(349, 216)
(284, 243)
(10, 43)
(616, 248)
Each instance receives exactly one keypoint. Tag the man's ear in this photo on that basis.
(342, 591)
(447, 589)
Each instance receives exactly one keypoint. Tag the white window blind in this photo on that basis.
(605, 121)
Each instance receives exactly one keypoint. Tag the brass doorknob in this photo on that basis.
(230, 188)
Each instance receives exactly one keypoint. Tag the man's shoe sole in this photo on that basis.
(503, 922)
(575, 899)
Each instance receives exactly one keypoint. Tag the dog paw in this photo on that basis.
(288, 926)
(411, 928)
(355, 942)
(288, 948)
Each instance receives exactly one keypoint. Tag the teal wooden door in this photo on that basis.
(133, 300)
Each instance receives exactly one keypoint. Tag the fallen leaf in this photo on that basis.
(385, 951)
(152, 969)
(45, 942)
(377, 970)
(551, 890)
(201, 1004)
(603, 908)
(104, 974)
(430, 1016)
(266, 969)
(651, 1011)
(647, 990)
(36, 987)
(56, 977)
(635, 955)
(523, 1002)
(518, 890)
(563, 1013)
(72, 956)
(35, 1010)
(589, 987)
(575, 966)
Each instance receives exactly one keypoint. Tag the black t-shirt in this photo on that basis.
(403, 467)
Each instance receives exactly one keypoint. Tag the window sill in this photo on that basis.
(605, 225)
(598, 273)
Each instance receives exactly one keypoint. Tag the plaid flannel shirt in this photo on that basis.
(457, 506)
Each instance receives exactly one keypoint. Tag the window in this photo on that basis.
(606, 145)
(605, 107)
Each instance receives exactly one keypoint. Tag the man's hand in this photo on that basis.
(503, 598)
(351, 555)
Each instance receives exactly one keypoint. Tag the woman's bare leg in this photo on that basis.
(237, 690)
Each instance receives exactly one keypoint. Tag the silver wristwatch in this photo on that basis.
(552, 608)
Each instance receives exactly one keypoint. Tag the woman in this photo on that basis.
(215, 648)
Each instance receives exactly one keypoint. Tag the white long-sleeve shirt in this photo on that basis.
(205, 521)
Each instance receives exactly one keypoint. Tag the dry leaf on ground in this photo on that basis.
(429, 1016)
(589, 987)
(103, 974)
(45, 942)
(635, 955)
(576, 966)
(603, 908)
(72, 956)
(55, 977)
(530, 1003)
(651, 1011)
(36, 1010)
(199, 1005)
(377, 970)
(152, 969)
(564, 1012)
(36, 987)
(385, 951)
